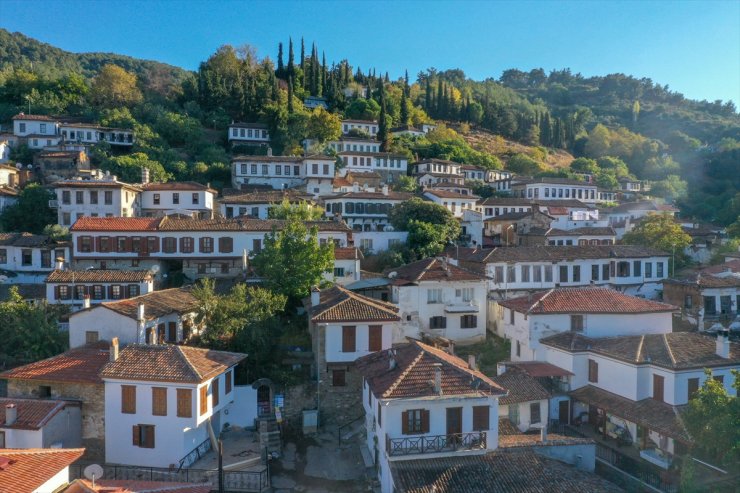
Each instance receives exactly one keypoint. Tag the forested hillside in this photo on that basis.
(530, 122)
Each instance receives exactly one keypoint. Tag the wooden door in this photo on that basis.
(172, 329)
(454, 423)
(564, 412)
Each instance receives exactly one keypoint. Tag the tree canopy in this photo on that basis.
(660, 231)
(31, 213)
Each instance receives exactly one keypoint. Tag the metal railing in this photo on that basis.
(195, 454)
(242, 481)
(430, 444)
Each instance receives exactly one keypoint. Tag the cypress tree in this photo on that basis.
(404, 108)
(383, 131)
(290, 94)
(303, 62)
(280, 67)
(324, 89)
(406, 87)
(428, 97)
(440, 97)
(291, 64)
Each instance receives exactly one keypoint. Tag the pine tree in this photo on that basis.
(280, 67)
(291, 63)
(290, 94)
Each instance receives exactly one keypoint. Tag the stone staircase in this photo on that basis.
(269, 434)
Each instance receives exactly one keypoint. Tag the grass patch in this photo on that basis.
(487, 354)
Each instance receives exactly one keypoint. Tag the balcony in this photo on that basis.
(434, 444)
(462, 307)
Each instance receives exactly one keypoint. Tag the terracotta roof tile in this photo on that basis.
(169, 363)
(25, 470)
(447, 194)
(391, 195)
(348, 253)
(520, 440)
(23, 116)
(136, 486)
(521, 387)
(538, 369)
(341, 305)
(156, 304)
(78, 365)
(431, 269)
(240, 224)
(232, 196)
(32, 413)
(591, 231)
(177, 185)
(414, 369)
(99, 275)
(511, 471)
(584, 300)
(94, 184)
(111, 224)
(674, 351)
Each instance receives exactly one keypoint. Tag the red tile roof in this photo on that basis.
(78, 365)
(538, 368)
(25, 470)
(178, 185)
(431, 269)
(156, 304)
(136, 486)
(521, 387)
(23, 116)
(111, 224)
(169, 363)
(584, 300)
(32, 414)
(99, 275)
(447, 194)
(341, 305)
(348, 253)
(407, 371)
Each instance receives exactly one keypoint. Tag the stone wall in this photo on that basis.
(92, 397)
(341, 404)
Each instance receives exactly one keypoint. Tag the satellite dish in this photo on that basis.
(93, 472)
(154, 268)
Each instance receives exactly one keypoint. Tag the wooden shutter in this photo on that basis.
(172, 329)
(225, 244)
(481, 418)
(201, 245)
(338, 378)
(425, 421)
(149, 436)
(137, 435)
(203, 400)
(375, 336)
(128, 399)
(215, 392)
(129, 244)
(593, 371)
(229, 376)
(56, 292)
(182, 245)
(348, 339)
(693, 387)
(159, 401)
(184, 403)
(405, 422)
(97, 244)
(658, 382)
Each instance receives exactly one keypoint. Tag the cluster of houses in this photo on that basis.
(590, 321)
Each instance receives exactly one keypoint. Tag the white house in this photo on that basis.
(516, 271)
(8, 197)
(35, 126)
(257, 204)
(440, 299)
(454, 202)
(581, 236)
(312, 102)
(36, 470)
(633, 387)
(472, 227)
(409, 130)
(279, 172)
(29, 258)
(248, 133)
(165, 401)
(422, 403)
(187, 198)
(318, 174)
(345, 326)
(370, 127)
(593, 312)
(70, 287)
(555, 189)
(346, 265)
(348, 143)
(526, 404)
(365, 211)
(86, 133)
(39, 423)
(390, 166)
(433, 171)
(160, 316)
(96, 197)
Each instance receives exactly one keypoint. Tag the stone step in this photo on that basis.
(367, 455)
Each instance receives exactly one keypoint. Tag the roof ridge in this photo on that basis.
(187, 360)
(639, 348)
(668, 348)
(403, 374)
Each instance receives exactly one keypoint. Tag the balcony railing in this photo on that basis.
(432, 444)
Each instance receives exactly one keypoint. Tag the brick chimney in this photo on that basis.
(114, 349)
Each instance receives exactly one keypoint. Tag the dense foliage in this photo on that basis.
(661, 232)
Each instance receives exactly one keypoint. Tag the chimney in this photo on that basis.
(385, 189)
(438, 378)
(140, 312)
(723, 343)
(114, 349)
(86, 301)
(269, 151)
(144, 176)
(59, 263)
(355, 187)
(543, 433)
(471, 362)
(11, 414)
(315, 296)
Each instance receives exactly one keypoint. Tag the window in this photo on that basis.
(338, 378)
(202, 268)
(658, 384)
(187, 244)
(563, 273)
(648, 269)
(136, 244)
(169, 244)
(605, 272)
(481, 418)
(537, 273)
(79, 197)
(93, 196)
(525, 273)
(719, 379)
(91, 336)
(415, 421)
(128, 399)
(510, 273)
(159, 401)
(175, 198)
(115, 292)
(593, 371)
(338, 271)
(534, 413)
(278, 170)
(467, 294)
(548, 273)
(227, 380)
(366, 244)
(97, 291)
(693, 387)
(108, 197)
(215, 392)
(206, 245)
(576, 273)
(256, 246)
(623, 269)
(468, 321)
(576, 323)
(203, 399)
(22, 127)
(225, 244)
(499, 274)
(659, 269)
(637, 268)
(184, 403)
(63, 292)
(156, 199)
(144, 436)
(438, 323)
(594, 272)
(434, 296)
(375, 338)
(196, 199)
(348, 339)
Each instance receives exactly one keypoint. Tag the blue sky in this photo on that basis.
(693, 46)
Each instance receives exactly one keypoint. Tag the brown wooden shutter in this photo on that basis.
(481, 418)
(215, 392)
(425, 421)
(172, 329)
(149, 437)
(137, 435)
(405, 422)
(203, 399)
(128, 399)
(658, 387)
(375, 336)
(97, 244)
(159, 401)
(129, 244)
(182, 245)
(379, 419)
(184, 403)
(201, 244)
(348, 339)
(56, 292)
(154, 244)
(229, 375)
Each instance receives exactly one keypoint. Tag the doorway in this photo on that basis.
(264, 407)
(454, 425)
(564, 412)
